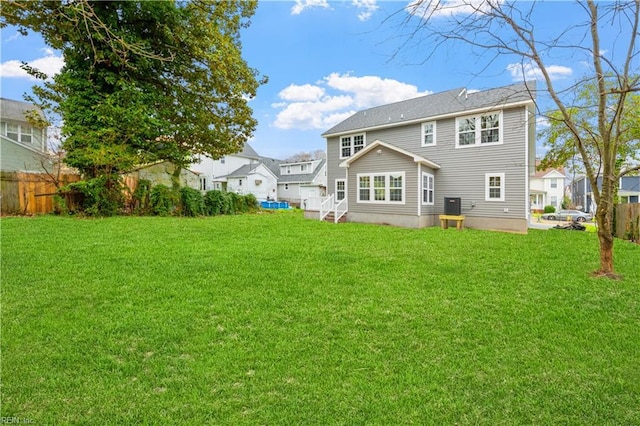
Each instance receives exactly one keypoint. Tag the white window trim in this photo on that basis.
(487, 177)
(478, 129)
(433, 180)
(433, 123)
(336, 188)
(351, 141)
(387, 188)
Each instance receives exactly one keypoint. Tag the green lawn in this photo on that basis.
(273, 319)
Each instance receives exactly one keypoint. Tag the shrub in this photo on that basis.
(213, 203)
(142, 197)
(238, 203)
(163, 200)
(227, 203)
(192, 202)
(252, 202)
(100, 196)
(549, 209)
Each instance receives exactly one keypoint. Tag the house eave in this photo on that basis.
(377, 143)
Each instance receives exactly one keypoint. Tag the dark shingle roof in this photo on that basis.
(272, 164)
(248, 151)
(15, 110)
(437, 104)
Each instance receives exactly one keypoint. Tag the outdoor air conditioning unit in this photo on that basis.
(452, 206)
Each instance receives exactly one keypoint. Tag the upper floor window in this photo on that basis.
(381, 187)
(479, 130)
(429, 133)
(350, 145)
(303, 167)
(494, 187)
(554, 183)
(18, 132)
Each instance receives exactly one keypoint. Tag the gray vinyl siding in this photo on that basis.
(387, 162)
(462, 172)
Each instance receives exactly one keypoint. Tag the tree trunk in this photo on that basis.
(175, 178)
(604, 217)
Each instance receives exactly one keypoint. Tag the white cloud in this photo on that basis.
(521, 72)
(302, 5)
(367, 7)
(370, 91)
(302, 93)
(542, 122)
(336, 97)
(448, 8)
(50, 64)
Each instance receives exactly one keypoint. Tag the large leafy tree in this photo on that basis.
(561, 142)
(144, 81)
(496, 28)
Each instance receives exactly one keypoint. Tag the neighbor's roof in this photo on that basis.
(16, 110)
(435, 105)
(302, 177)
(248, 151)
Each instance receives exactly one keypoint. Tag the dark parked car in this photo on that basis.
(576, 215)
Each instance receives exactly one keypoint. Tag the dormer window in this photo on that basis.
(350, 145)
(303, 167)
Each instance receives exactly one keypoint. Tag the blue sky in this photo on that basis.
(327, 60)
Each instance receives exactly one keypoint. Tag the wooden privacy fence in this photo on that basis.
(29, 193)
(628, 221)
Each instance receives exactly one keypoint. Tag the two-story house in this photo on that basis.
(547, 188)
(23, 144)
(302, 181)
(396, 163)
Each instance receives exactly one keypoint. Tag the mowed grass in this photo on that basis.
(274, 319)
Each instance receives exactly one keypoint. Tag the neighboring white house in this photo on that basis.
(213, 173)
(301, 181)
(267, 178)
(254, 178)
(546, 188)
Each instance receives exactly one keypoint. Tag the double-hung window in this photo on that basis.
(429, 133)
(350, 145)
(494, 187)
(381, 187)
(427, 189)
(484, 129)
(341, 189)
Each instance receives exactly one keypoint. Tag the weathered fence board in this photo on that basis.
(627, 219)
(29, 193)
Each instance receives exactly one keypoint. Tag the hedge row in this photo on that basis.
(100, 197)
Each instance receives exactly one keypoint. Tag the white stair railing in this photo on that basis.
(326, 206)
(341, 210)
